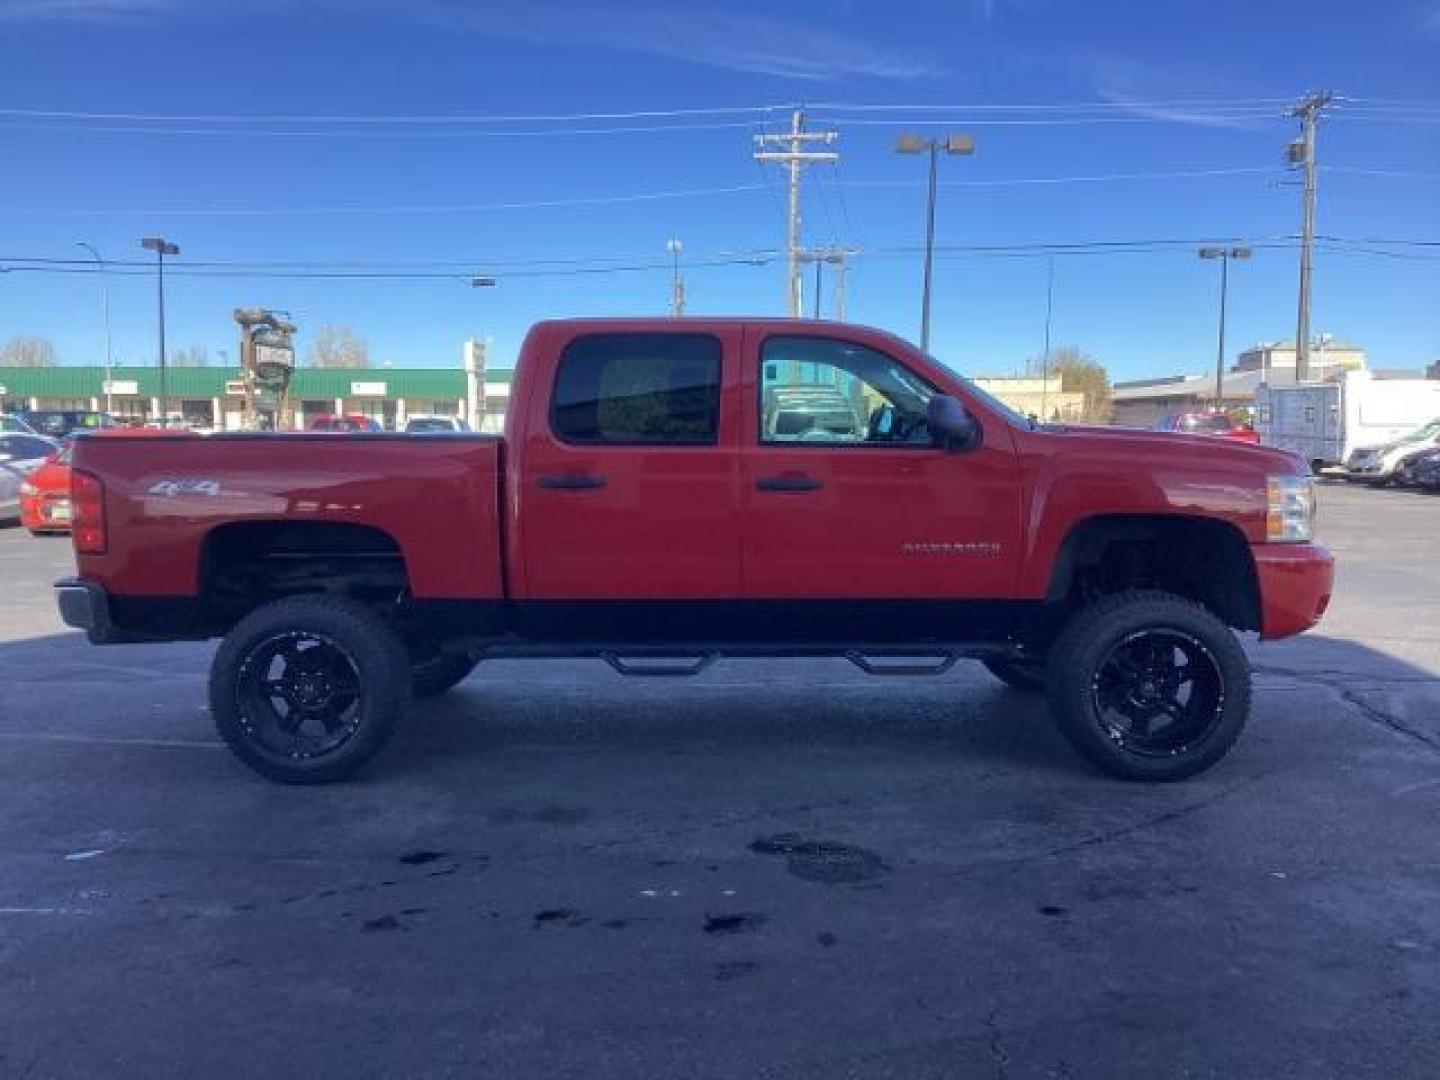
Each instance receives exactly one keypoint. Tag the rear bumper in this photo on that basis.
(85, 606)
(1296, 581)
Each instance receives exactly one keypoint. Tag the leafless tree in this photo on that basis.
(1080, 372)
(339, 347)
(190, 356)
(28, 351)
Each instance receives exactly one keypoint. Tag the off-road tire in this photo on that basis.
(1091, 638)
(380, 662)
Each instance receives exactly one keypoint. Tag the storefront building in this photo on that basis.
(212, 398)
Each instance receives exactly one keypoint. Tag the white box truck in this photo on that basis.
(1326, 423)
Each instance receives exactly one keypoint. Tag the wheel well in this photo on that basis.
(251, 563)
(1203, 559)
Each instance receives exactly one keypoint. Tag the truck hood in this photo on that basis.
(1174, 447)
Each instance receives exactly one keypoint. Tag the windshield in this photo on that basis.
(1205, 422)
(1429, 431)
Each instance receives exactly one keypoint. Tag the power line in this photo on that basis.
(1090, 179)
(386, 135)
(471, 208)
(390, 118)
(600, 264)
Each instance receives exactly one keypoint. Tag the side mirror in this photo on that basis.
(952, 427)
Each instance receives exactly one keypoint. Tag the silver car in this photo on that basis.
(20, 455)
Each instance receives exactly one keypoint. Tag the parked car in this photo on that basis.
(350, 423)
(1377, 465)
(429, 425)
(45, 493)
(14, 425)
(639, 510)
(20, 455)
(1212, 422)
(1421, 469)
(59, 423)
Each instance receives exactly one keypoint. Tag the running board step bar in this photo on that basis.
(641, 661)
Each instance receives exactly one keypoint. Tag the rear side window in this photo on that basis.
(638, 389)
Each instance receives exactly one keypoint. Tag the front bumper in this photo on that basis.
(85, 606)
(1296, 581)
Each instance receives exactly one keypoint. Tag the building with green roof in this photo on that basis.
(211, 397)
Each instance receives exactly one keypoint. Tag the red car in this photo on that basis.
(666, 493)
(349, 423)
(45, 495)
(1214, 422)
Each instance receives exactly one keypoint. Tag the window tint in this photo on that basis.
(816, 390)
(638, 388)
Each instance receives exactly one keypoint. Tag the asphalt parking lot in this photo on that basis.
(774, 869)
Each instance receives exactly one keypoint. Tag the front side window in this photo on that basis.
(829, 392)
(638, 389)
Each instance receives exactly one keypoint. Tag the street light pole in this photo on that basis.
(104, 318)
(918, 144)
(161, 247)
(1224, 255)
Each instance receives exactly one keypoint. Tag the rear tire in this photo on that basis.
(1149, 686)
(432, 677)
(307, 689)
(1018, 675)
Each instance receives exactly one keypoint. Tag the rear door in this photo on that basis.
(630, 483)
(847, 497)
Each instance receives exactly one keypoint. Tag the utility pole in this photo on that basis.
(1301, 153)
(840, 271)
(677, 282)
(795, 157)
(1224, 255)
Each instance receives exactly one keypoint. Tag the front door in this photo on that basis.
(848, 498)
(631, 483)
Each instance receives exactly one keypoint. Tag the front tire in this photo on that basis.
(307, 689)
(1149, 686)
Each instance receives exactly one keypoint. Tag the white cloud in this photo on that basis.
(44, 10)
(758, 44)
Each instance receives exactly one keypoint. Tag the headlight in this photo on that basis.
(1289, 509)
(27, 488)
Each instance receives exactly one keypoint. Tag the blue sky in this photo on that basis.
(413, 192)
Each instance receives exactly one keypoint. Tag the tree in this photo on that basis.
(26, 351)
(190, 356)
(339, 347)
(1083, 374)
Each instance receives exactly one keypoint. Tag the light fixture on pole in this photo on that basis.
(161, 247)
(962, 145)
(1224, 255)
(104, 316)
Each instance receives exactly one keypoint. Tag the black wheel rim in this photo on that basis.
(299, 695)
(1158, 693)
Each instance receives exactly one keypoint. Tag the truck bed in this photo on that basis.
(438, 497)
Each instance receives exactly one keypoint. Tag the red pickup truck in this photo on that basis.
(672, 491)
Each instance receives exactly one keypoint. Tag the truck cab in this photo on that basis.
(668, 492)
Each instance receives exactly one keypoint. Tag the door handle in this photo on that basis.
(788, 483)
(572, 482)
